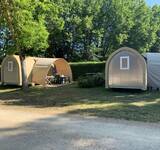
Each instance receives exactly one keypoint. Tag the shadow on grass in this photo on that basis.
(147, 113)
(68, 95)
(5, 87)
(126, 104)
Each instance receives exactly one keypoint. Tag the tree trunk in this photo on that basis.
(23, 71)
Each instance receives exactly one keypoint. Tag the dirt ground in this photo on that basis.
(23, 128)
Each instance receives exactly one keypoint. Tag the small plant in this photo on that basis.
(90, 81)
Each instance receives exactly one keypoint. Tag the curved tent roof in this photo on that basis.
(43, 66)
(153, 58)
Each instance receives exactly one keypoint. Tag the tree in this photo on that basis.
(78, 36)
(155, 24)
(142, 35)
(100, 27)
(26, 21)
(80, 29)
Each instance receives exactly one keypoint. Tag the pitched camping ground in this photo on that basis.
(37, 69)
(126, 68)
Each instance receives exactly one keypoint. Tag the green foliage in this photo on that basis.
(82, 68)
(97, 28)
(86, 82)
(99, 79)
(90, 81)
(26, 21)
(83, 30)
(141, 35)
(78, 33)
(156, 28)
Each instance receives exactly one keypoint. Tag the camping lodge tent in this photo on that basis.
(45, 66)
(126, 68)
(36, 68)
(11, 70)
(153, 70)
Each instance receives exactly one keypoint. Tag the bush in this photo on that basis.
(99, 79)
(91, 81)
(81, 68)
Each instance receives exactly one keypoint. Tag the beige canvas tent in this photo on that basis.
(43, 67)
(37, 69)
(126, 68)
(11, 70)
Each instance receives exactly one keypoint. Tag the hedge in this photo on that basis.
(81, 68)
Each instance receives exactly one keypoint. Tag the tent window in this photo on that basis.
(10, 66)
(124, 63)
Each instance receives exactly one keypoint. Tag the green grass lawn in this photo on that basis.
(121, 104)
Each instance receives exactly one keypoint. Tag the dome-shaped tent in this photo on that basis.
(126, 68)
(11, 70)
(43, 67)
(153, 70)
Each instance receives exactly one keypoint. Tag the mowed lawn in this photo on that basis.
(121, 104)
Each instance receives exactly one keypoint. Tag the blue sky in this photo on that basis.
(152, 2)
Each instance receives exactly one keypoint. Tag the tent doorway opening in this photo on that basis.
(52, 71)
(53, 77)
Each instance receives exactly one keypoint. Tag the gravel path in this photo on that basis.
(29, 130)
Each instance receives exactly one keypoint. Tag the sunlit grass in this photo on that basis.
(121, 104)
(8, 90)
(145, 103)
